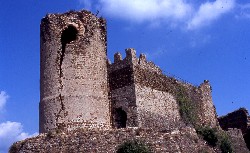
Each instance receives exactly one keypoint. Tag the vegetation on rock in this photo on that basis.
(133, 146)
(186, 108)
(216, 138)
(209, 135)
(225, 143)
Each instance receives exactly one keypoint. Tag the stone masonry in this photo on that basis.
(74, 82)
(148, 97)
(238, 119)
(80, 89)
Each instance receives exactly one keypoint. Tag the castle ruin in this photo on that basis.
(81, 89)
(88, 104)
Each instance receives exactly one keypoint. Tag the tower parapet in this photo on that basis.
(132, 60)
(117, 57)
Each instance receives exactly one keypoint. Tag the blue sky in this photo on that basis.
(194, 40)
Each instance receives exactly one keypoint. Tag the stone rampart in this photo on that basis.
(156, 109)
(237, 119)
(207, 109)
(237, 141)
(154, 91)
(199, 97)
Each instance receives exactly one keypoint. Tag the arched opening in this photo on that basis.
(120, 118)
(68, 35)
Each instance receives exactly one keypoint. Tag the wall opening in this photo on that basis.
(68, 35)
(120, 118)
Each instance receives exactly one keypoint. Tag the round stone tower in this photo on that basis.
(73, 72)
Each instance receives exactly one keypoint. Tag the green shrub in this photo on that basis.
(225, 147)
(225, 144)
(216, 137)
(187, 111)
(208, 135)
(134, 146)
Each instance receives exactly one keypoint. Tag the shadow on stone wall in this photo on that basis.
(239, 119)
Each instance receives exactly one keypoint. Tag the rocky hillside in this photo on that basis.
(184, 140)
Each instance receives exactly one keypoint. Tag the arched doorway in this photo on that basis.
(120, 118)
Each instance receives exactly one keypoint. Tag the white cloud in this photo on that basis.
(3, 99)
(146, 10)
(170, 12)
(209, 12)
(11, 132)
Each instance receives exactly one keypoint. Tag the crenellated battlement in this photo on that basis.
(132, 60)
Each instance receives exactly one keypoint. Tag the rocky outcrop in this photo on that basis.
(180, 140)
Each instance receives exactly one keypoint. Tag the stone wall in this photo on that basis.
(106, 141)
(239, 119)
(74, 82)
(207, 108)
(122, 89)
(155, 97)
(145, 107)
(125, 99)
(237, 140)
(156, 109)
(236, 119)
(200, 97)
